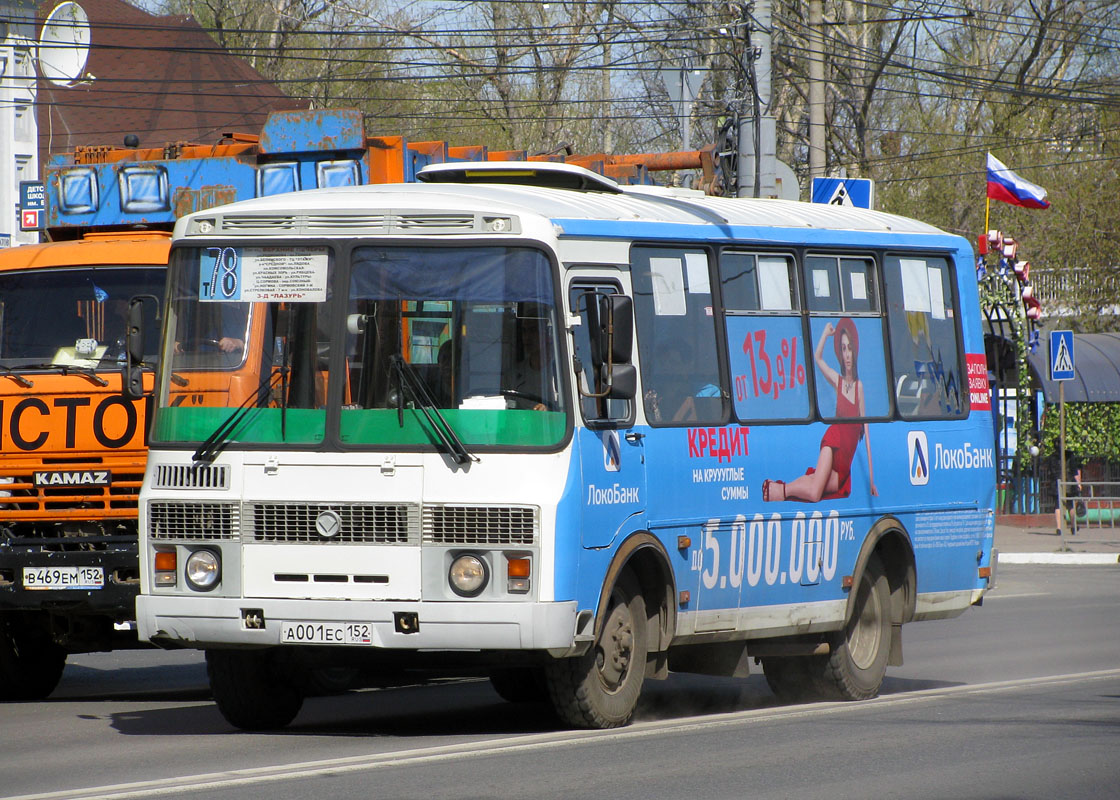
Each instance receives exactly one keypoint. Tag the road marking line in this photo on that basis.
(254, 775)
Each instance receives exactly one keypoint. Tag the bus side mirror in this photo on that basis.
(622, 383)
(132, 374)
(619, 329)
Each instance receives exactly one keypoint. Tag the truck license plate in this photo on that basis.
(360, 633)
(63, 578)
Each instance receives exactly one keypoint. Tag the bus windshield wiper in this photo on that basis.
(8, 372)
(406, 377)
(216, 441)
(74, 369)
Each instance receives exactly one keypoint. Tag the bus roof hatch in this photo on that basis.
(523, 173)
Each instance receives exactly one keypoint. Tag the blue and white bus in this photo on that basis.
(523, 420)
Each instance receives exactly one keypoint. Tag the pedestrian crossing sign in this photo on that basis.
(850, 192)
(1061, 356)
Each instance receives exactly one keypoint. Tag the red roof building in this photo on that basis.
(163, 79)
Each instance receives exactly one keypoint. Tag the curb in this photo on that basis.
(1058, 558)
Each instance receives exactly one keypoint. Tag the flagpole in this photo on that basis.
(987, 213)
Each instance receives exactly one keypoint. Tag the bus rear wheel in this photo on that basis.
(250, 689)
(793, 679)
(600, 689)
(857, 663)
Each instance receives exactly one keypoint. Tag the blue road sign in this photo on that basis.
(32, 196)
(852, 192)
(1061, 356)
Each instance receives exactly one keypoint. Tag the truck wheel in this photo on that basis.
(857, 663)
(600, 688)
(250, 690)
(520, 684)
(30, 663)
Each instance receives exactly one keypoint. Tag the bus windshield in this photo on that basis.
(72, 317)
(421, 340)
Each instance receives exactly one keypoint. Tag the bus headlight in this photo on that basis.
(468, 575)
(203, 570)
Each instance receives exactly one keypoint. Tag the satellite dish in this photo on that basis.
(64, 44)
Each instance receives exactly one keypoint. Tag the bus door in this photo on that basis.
(611, 451)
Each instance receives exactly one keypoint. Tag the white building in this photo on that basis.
(18, 133)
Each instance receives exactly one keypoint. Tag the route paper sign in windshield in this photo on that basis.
(263, 274)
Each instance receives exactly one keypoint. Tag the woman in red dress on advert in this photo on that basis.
(831, 478)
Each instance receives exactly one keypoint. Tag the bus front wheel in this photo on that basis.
(251, 690)
(520, 684)
(600, 688)
(857, 663)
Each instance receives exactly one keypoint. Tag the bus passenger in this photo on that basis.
(678, 386)
(831, 478)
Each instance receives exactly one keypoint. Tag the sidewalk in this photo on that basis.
(1031, 539)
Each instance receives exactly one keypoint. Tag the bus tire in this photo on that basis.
(250, 691)
(600, 689)
(31, 663)
(520, 684)
(857, 662)
(793, 679)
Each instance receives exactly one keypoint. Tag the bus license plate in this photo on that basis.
(63, 578)
(360, 633)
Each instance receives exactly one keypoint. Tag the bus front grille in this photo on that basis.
(364, 523)
(480, 525)
(193, 521)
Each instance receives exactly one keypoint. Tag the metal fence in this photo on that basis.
(1035, 489)
(1088, 505)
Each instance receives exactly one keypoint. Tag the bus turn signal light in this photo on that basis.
(166, 565)
(517, 574)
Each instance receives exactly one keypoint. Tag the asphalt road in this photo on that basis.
(1017, 699)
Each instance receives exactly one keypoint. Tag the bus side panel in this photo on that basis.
(745, 551)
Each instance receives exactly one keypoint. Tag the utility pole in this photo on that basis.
(816, 89)
(757, 174)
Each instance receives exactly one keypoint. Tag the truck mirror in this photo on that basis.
(132, 382)
(132, 375)
(134, 336)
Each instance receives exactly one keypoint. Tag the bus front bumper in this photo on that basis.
(202, 622)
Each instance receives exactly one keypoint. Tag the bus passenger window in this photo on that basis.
(925, 351)
(846, 333)
(822, 284)
(738, 275)
(766, 347)
(681, 380)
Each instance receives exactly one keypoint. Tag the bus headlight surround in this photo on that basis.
(468, 575)
(203, 570)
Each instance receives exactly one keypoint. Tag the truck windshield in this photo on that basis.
(471, 330)
(72, 317)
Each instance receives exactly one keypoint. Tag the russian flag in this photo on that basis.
(1005, 185)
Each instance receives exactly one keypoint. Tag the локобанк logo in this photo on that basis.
(918, 448)
(612, 452)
